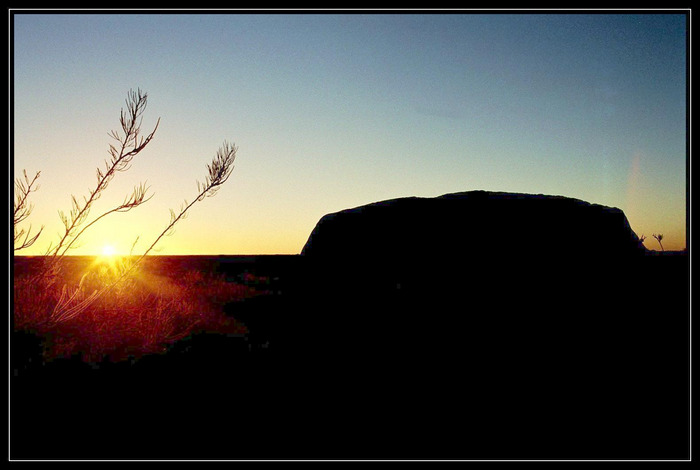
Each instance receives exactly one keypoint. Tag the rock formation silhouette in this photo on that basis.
(521, 315)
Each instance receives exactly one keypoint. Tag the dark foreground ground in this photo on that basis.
(345, 365)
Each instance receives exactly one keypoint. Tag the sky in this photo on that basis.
(331, 111)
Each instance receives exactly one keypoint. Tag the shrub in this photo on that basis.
(110, 308)
(659, 237)
(22, 210)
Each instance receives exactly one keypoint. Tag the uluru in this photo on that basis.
(527, 310)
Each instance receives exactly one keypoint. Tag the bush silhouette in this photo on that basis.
(22, 210)
(659, 237)
(57, 295)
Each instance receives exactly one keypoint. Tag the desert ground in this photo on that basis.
(284, 365)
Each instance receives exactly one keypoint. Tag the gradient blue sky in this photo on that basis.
(332, 111)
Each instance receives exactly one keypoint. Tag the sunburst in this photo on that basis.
(108, 251)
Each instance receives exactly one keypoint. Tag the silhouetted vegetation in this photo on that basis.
(22, 210)
(659, 237)
(109, 303)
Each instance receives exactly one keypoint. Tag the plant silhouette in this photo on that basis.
(659, 237)
(130, 142)
(22, 210)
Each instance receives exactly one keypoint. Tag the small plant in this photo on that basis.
(219, 171)
(22, 210)
(641, 240)
(659, 237)
(129, 144)
(45, 302)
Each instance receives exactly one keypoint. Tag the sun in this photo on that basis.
(109, 258)
(108, 250)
